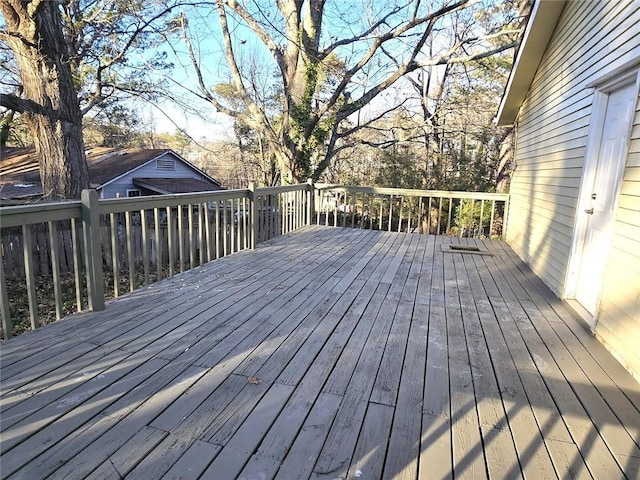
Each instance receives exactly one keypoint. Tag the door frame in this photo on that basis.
(602, 87)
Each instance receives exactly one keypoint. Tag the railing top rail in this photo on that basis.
(414, 192)
(281, 189)
(17, 215)
(13, 216)
(117, 205)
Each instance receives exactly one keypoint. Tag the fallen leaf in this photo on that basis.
(254, 380)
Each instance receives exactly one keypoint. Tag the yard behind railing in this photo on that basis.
(435, 212)
(62, 257)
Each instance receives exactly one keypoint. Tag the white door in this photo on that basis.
(604, 194)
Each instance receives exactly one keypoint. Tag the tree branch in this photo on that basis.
(449, 60)
(362, 36)
(21, 105)
(372, 120)
(257, 30)
(446, 59)
(407, 67)
(256, 117)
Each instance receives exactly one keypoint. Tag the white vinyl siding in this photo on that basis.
(591, 39)
(619, 324)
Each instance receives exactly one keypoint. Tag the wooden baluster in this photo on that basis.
(481, 218)
(207, 229)
(145, 246)
(130, 250)
(55, 268)
(92, 249)
(473, 214)
(114, 254)
(27, 244)
(192, 239)
(201, 235)
(429, 213)
(353, 205)
(225, 223)
(181, 252)
(493, 211)
(245, 223)
(236, 223)
(287, 209)
(156, 225)
(232, 225)
(77, 263)
(217, 229)
(7, 326)
(261, 209)
(280, 218)
(294, 210)
(170, 242)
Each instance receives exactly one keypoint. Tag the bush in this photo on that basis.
(467, 218)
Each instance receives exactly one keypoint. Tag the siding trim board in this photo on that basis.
(529, 57)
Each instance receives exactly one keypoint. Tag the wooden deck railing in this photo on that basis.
(73, 255)
(436, 212)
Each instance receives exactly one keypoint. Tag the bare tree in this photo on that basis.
(331, 60)
(49, 101)
(71, 57)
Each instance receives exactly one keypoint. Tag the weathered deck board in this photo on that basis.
(609, 410)
(326, 353)
(164, 307)
(500, 451)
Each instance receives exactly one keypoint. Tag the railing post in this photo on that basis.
(92, 248)
(253, 205)
(311, 195)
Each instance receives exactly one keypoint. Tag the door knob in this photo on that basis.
(589, 211)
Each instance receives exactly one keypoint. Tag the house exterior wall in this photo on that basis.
(120, 186)
(591, 39)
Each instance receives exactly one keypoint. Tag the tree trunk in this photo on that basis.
(50, 103)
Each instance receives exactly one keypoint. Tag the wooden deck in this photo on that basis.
(326, 353)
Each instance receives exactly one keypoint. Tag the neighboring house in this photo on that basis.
(575, 193)
(112, 172)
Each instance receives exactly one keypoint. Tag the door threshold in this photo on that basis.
(581, 313)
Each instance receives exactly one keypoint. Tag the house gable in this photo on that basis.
(111, 171)
(166, 165)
